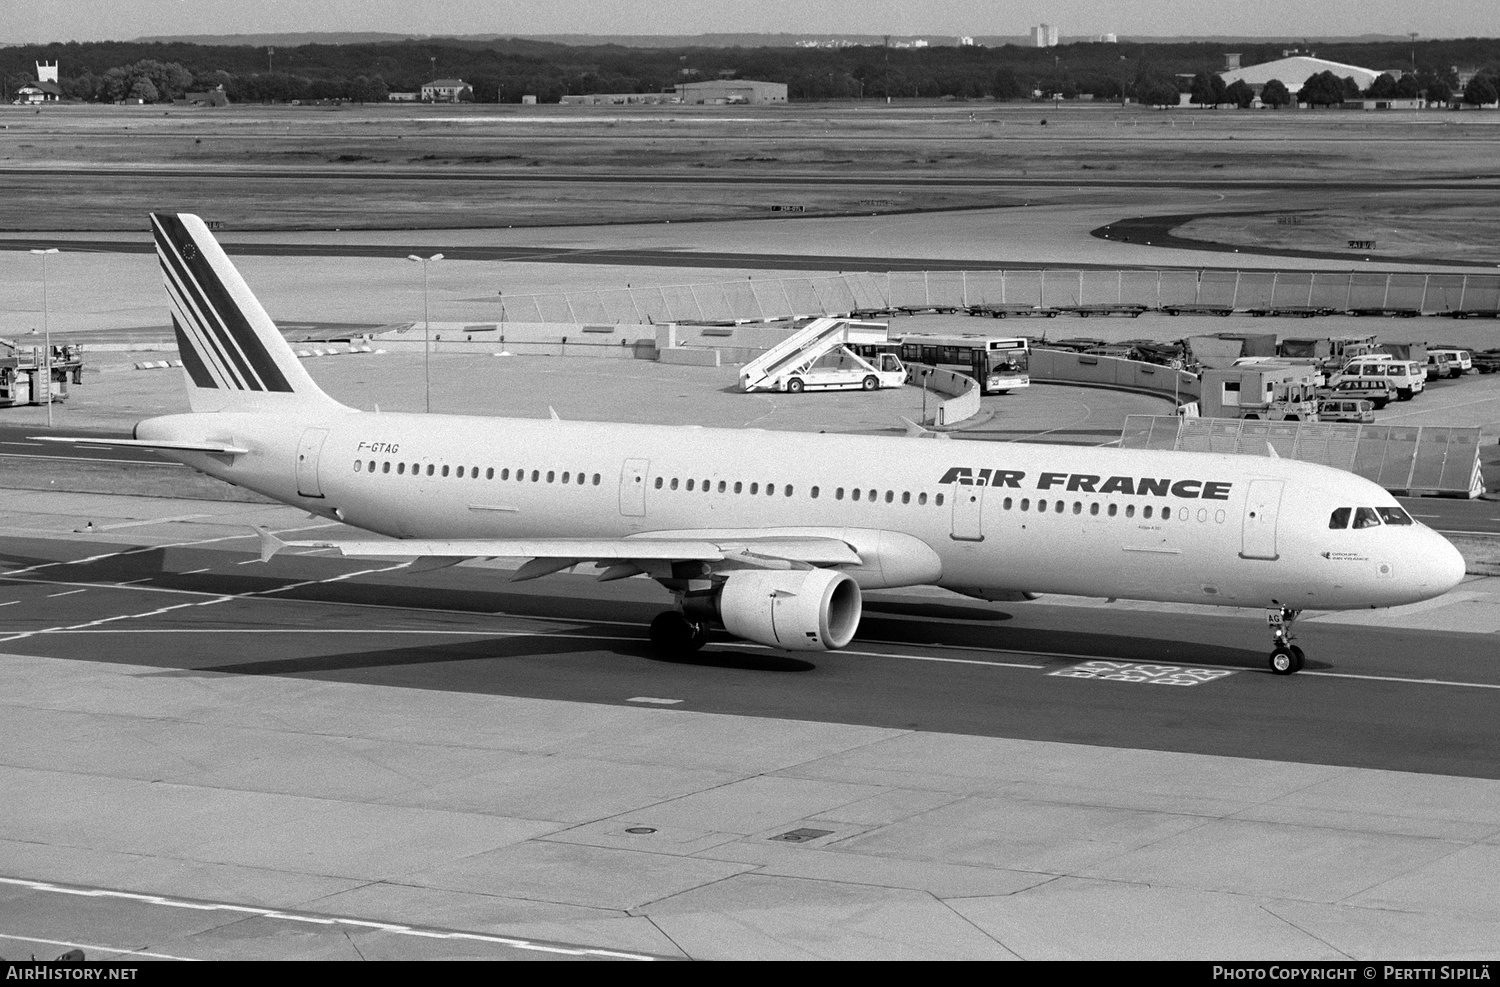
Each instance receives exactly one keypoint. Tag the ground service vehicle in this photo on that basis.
(822, 356)
(1377, 390)
(998, 363)
(1408, 377)
(771, 536)
(1346, 410)
(1460, 359)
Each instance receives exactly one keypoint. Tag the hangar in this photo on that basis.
(1295, 71)
(732, 91)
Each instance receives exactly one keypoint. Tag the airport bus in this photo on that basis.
(998, 363)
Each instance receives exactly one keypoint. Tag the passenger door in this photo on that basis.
(1262, 504)
(968, 510)
(308, 451)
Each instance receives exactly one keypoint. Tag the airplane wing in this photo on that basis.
(215, 447)
(549, 555)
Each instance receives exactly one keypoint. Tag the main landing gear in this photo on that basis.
(675, 636)
(1286, 657)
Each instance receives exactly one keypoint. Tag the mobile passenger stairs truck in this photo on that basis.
(820, 356)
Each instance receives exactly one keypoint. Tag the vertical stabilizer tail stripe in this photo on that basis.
(197, 276)
(191, 362)
(233, 357)
(199, 329)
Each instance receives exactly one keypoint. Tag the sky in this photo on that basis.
(101, 20)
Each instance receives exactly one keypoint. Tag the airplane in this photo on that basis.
(772, 536)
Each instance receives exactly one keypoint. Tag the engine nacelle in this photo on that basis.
(795, 610)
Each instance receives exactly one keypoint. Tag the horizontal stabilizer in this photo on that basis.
(220, 448)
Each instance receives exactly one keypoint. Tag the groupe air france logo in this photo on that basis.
(1131, 486)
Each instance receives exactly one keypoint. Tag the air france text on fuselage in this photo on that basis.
(1132, 486)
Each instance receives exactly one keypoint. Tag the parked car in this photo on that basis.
(1379, 391)
(1346, 410)
(1462, 361)
(1439, 365)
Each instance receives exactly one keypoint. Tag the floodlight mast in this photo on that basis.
(46, 333)
(426, 329)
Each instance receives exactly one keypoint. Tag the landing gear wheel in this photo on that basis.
(794, 386)
(1286, 658)
(870, 383)
(674, 636)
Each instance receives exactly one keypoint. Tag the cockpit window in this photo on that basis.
(1365, 517)
(1340, 517)
(1394, 515)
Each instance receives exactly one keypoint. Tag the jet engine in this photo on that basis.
(795, 610)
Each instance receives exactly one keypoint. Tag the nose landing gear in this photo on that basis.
(1286, 657)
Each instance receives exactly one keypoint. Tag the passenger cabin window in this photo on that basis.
(1340, 517)
(1365, 517)
(1394, 515)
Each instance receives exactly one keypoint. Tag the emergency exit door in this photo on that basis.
(633, 487)
(308, 450)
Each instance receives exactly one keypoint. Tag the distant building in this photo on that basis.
(1044, 36)
(1414, 103)
(617, 99)
(444, 90)
(37, 92)
(210, 97)
(1295, 71)
(732, 91)
(403, 97)
(46, 72)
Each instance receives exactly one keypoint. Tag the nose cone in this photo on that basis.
(1442, 566)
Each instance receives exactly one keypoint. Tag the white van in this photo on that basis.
(1408, 377)
(1460, 361)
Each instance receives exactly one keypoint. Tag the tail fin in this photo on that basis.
(233, 355)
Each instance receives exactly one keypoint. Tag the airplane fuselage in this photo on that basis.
(1167, 526)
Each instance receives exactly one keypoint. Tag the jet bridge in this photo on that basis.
(799, 351)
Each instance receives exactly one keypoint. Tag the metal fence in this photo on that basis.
(1011, 292)
(1406, 459)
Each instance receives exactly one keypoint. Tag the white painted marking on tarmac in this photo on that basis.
(154, 548)
(92, 948)
(326, 920)
(194, 572)
(1129, 671)
(9, 603)
(68, 593)
(1405, 681)
(154, 520)
(654, 700)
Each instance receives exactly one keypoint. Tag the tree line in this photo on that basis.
(505, 70)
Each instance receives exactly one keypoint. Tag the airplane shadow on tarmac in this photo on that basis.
(602, 619)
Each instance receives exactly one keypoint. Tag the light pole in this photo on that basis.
(46, 334)
(426, 328)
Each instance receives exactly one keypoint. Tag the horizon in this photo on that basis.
(108, 20)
